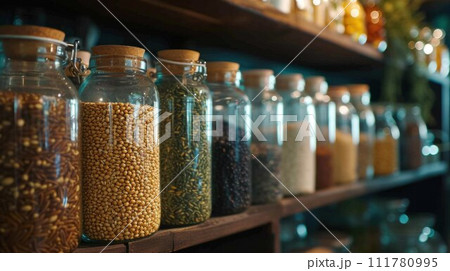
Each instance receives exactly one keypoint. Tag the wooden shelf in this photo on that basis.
(245, 25)
(168, 240)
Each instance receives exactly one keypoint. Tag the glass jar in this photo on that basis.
(186, 150)
(40, 193)
(413, 135)
(119, 109)
(335, 16)
(347, 137)
(304, 10)
(325, 109)
(386, 141)
(231, 156)
(320, 12)
(267, 108)
(355, 20)
(376, 34)
(298, 162)
(360, 98)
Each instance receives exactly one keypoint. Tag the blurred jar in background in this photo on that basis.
(298, 163)
(360, 98)
(304, 10)
(355, 20)
(317, 88)
(386, 140)
(376, 34)
(320, 12)
(413, 135)
(347, 137)
(335, 16)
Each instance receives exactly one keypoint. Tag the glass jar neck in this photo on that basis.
(167, 69)
(343, 98)
(228, 78)
(102, 64)
(363, 98)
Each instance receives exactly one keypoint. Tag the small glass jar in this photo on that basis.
(413, 135)
(320, 12)
(185, 138)
(40, 171)
(304, 9)
(298, 162)
(355, 20)
(347, 137)
(119, 113)
(231, 156)
(376, 34)
(360, 98)
(267, 108)
(325, 109)
(387, 135)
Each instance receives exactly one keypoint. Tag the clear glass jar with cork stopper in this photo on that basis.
(298, 163)
(119, 117)
(325, 108)
(231, 157)
(267, 108)
(360, 98)
(40, 185)
(185, 138)
(347, 137)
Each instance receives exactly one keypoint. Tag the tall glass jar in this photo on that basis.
(413, 135)
(347, 137)
(231, 156)
(119, 113)
(360, 98)
(185, 138)
(267, 109)
(40, 193)
(355, 20)
(298, 162)
(386, 141)
(325, 109)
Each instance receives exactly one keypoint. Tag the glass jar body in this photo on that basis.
(376, 34)
(326, 137)
(366, 135)
(186, 153)
(119, 116)
(386, 148)
(413, 135)
(355, 20)
(266, 146)
(347, 141)
(231, 156)
(40, 186)
(298, 163)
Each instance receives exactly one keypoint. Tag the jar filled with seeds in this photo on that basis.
(231, 157)
(360, 98)
(298, 163)
(119, 116)
(325, 108)
(267, 108)
(386, 147)
(40, 192)
(185, 128)
(347, 137)
(413, 135)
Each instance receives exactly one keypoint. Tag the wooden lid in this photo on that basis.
(118, 50)
(32, 30)
(358, 89)
(221, 66)
(315, 84)
(289, 81)
(257, 78)
(337, 91)
(182, 55)
(257, 73)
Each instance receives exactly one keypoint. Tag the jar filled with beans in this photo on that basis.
(119, 116)
(186, 131)
(40, 192)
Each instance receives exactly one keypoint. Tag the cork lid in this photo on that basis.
(358, 89)
(118, 50)
(258, 78)
(290, 82)
(32, 30)
(182, 55)
(221, 66)
(337, 91)
(316, 84)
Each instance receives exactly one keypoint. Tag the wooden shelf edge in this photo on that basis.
(336, 194)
